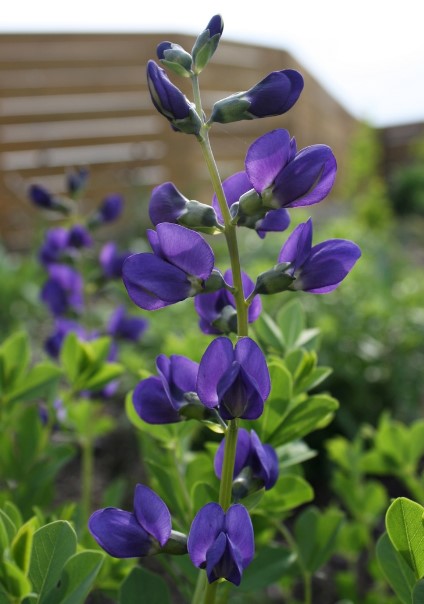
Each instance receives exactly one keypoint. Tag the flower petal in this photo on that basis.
(298, 246)
(178, 375)
(186, 249)
(240, 531)
(252, 359)
(266, 157)
(206, 526)
(273, 221)
(166, 204)
(152, 513)
(216, 360)
(264, 461)
(222, 561)
(119, 533)
(234, 187)
(152, 403)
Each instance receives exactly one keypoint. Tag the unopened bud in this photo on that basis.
(175, 58)
(275, 280)
(207, 43)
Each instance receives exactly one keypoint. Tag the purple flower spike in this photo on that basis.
(286, 179)
(222, 542)
(217, 310)
(236, 381)
(123, 326)
(319, 269)
(263, 220)
(131, 535)
(63, 290)
(158, 400)
(181, 263)
(112, 261)
(274, 95)
(54, 245)
(171, 102)
(261, 459)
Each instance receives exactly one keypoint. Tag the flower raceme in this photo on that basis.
(177, 269)
(144, 532)
(319, 269)
(274, 95)
(159, 399)
(63, 290)
(235, 381)
(222, 542)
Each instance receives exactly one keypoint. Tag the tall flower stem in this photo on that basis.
(241, 308)
(87, 471)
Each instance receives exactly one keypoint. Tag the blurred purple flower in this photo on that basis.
(217, 310)
(126, 327)
(180, 264)
(79, 237)
(54, 245)
(159, 399)
(110, 208)
(53, 343)
(112, 261)
(132, 535)
(63, 290)
(261, 459)
(234, 380)
(222, 542)
(76, 180)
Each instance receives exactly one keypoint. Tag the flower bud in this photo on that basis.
(207, 43)
(275, 280)
(175, 58)
(42, 198)
(171, 102)
(274, 95)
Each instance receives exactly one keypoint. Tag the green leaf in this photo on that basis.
(269, 565)
(279, 398)
(16, 354)
(288, 493)
(316, 536)
(53, 544)
(71, 356)
(313, 379)
(104, 375)
(404, 523)
(143, 587)
(418, 593)
(14, 580)
(397, 573)
(76, 579)
(269, 333)
(291, 321)
(9, 526)
(22, 544)
(13, 512)
(314, 413)
(36, 384)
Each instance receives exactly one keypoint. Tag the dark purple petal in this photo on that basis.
(215, 26)
(298, 246)
(222, 561)
(119, 533)
(153, 283)
(186, 249)
(242, 453)
(327, 265)
(110, 208)
(178, 375)
(78, 237)
(112, 261)
(206, 526)
(308, 178)
(209, 306)
(234, 187)
(166, 204)
(166, 97)
(216, 360)
(266, 157)
(252, 359)
(238, 394)
(255, 307)
(41, 197)
(123, 326)
(273, 469)
(264, 461)
(240, 532)
(275, 94)
(275, 220)
(152, 404)
(152, 513)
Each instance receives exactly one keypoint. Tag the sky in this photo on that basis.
(368, 53)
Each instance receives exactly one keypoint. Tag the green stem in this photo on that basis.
(210, 593)
(228, 465)
(200, 588)
(87, 470)
(307, 577)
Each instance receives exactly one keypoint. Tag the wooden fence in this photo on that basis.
(81, 99)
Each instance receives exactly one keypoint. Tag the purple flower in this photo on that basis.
(180, 264)
(261, 460)
(167, 204)
(110, 208)
(171, 102)
(159, 399)
(206, 43)
(175, 58)
(274, 95)
(112, 261)
(42, 198)
(63, 290)
(283, 178)
(55, 244)
(236, 381)
(53, 343)
(222, 542)
(262, 220)
(131, 535)
(76, 181)
(126, 327)
(319, 269)
(217, 310)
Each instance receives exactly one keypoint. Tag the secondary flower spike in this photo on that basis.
(222, 542)
(171, 102)
(318, 269)
(159, 399)
(234, 380)
(180, 264)
(274, 95)
(132, 535)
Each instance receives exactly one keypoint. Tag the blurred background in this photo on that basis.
(73, 93)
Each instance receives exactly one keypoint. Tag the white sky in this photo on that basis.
(368, 53)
